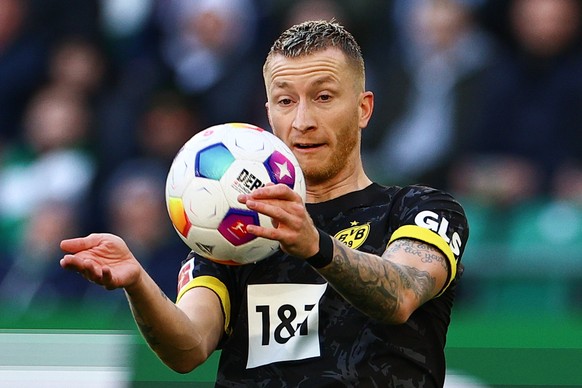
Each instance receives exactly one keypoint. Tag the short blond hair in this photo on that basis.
(317, 35)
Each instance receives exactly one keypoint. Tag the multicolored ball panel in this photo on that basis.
(234, 226)
(178, 215)
(281, 169)
(213, 161)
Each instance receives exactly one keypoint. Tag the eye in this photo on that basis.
(285, 101)
(324, 97)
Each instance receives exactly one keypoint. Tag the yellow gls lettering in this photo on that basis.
(354, 236)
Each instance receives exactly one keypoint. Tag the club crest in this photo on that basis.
(355, 235)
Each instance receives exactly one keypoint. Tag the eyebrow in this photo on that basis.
(324, 80)
(319, 81)
(281, 84)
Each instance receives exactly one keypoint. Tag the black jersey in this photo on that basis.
(285, 327)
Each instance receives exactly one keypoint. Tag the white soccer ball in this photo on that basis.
(206, 176)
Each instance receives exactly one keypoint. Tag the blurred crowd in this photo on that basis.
(479, 97)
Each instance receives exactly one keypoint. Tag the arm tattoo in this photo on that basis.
(147, 330)
(426, 252)
(377, 286)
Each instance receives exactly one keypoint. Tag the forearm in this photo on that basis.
(166, 328)
(378, 286)
(184, 336)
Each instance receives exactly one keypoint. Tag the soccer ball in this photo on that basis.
(205, 178)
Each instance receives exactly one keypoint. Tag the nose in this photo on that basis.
(304, 118)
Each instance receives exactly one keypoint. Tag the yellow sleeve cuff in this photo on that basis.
(219, 289)
(419, 233)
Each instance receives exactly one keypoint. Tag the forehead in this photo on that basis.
(329, 64)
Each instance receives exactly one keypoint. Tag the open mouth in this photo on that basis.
(305, 146)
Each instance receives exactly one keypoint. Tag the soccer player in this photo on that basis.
(361, 291)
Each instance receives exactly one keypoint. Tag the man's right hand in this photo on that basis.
(103, 259)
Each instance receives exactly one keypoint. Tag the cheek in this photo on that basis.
(280, 133)
(280, 125)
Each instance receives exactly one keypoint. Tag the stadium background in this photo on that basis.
(96, 97)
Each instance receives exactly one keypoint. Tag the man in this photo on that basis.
(367, 307)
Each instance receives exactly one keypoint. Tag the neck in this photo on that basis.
(325, 191)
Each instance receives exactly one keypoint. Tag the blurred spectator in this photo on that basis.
(208, 46)
(427, 95)
(527, 140)
(51, 162)
(23, 57)
(32, 278)
(169, 120)
(77, 64)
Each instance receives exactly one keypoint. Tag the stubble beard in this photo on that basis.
(335, 163)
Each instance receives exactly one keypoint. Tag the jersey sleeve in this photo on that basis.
(197, 271)
(434, 217)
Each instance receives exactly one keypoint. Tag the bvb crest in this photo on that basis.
(354, 236)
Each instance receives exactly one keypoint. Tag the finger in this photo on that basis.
(71, 262)
(260, 231)
(280, 212)
(273, 209)
(78, 244)
(107, 278)
(81, 266)
(278, 191)
(92, 272)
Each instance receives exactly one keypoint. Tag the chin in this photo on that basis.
(317, 174)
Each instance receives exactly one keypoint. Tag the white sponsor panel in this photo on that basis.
(283, 322)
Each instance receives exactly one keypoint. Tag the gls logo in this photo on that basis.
(440, 225)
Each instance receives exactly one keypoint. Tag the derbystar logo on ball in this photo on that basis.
(247, 182)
